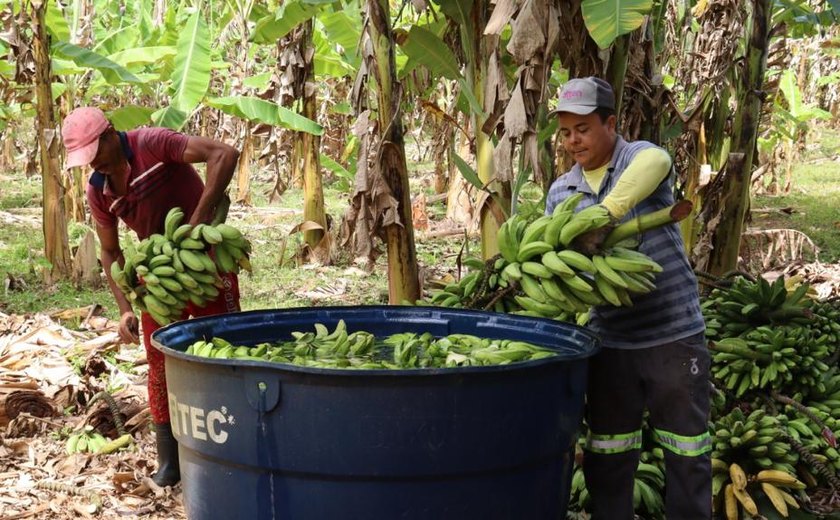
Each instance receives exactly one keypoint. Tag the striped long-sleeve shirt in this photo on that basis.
(671, 311)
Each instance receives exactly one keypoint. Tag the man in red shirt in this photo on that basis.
(138, 177)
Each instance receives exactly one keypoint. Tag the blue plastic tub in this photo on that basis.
(271, 441)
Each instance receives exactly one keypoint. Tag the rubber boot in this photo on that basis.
(169, 469)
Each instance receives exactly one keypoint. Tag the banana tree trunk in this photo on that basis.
(243, 47)
(243, 169)
(479, 52)
(617, 68)
(81, 34)
(56, 248)
(403, 281)
(310, 145)
(689, 228)
(727, 238)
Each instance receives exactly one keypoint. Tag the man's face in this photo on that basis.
(109, 158)
(588, 140)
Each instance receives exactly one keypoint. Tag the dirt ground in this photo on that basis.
(48, 376)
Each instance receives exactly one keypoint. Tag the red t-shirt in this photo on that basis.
(159, 180)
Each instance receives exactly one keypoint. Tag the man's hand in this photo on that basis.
(129, 327)
(589, 243)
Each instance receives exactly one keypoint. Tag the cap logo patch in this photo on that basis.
(572, 94)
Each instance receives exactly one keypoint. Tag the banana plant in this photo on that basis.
(726, 238)
(424, 46)
(403, 281)
(191, 77)
(789, 125)
(607, 20)
(56, 245)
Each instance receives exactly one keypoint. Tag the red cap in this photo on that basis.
(80, 134)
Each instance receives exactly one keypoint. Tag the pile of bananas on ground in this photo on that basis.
(747, 303)
(166, 271)
(539, 274)
(86, 441)
(648, 486)
(339, 348)
(734, 490)
(752, 457)
(774, 354)
(753, 440)
(91, 441)
(770, 336)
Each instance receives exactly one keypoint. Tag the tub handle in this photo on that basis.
(262, 391)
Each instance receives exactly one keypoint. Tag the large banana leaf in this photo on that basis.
(169, 117)
(130, 117)
(257, 81)
(291, 14)
(328, 62)
(425, 47)
(799, 110)
(606, 20)
(143, 55)
(57, 26)
(329, 164)
(343, 30)
(192, 65)
(261, 111)
(457, 10)
(112, 72)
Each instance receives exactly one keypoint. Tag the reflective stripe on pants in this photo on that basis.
(672, 382)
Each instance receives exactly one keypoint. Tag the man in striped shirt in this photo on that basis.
(654, 354)
(138, 177)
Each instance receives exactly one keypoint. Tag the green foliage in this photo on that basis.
(192, 65)
(275, 26)
(259, 110)
(606, 20)
(112, 72)
(130, 117)
(813, 197)
(428, 49)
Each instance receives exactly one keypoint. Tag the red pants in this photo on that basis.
(227, 301)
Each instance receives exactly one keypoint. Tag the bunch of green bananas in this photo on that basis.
(825, 393)
(538, 274)
(648, 488)
(747, 304)
(778, 358)
(753, 440)
(826, 321)
(732, 486)
(555, 278)
(482, 279)
(86, 441)
(819, 440)
(165, 271)
(342, 349)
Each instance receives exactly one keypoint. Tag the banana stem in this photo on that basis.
(648, 221)
(729, 349)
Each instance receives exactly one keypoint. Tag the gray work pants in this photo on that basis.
(672, 381)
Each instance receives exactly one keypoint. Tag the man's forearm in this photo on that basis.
(645, 172)
(219, 173)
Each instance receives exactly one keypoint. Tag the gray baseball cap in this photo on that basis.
(583, 95)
